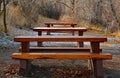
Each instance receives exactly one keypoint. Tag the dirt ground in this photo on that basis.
(59, 68)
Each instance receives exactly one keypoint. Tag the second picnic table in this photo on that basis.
(51, 24)
(79, 29)
(72, 24)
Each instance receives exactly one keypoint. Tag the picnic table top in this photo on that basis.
(60, 23)
(60, 28)
(60, 38)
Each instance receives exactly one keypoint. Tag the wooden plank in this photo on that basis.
(39, 34)
(97, 64)
(60, 23)
(80, 44)
(31, 56)
(59, 29)
(59, 39)
(58, 49)
(25, 65)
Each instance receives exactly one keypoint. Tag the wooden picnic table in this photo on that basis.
(80, 31)
(96, 54)
(51, 24)
(72, 24)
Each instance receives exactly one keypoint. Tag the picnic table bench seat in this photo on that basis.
(32, 56)
(59, 49)
(59, 39)
(59, 29)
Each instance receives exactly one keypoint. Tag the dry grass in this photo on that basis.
(9, 28)
(66, 18)
(116, 34)
(96, 27)
(42, 19)
(15, 15)
(18, 18)
(83, 23)
(1, 29)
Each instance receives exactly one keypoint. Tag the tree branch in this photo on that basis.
(58, 1)
(113, 10)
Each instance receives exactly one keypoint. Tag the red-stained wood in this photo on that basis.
(60, 23)
(80, 44)
(32, 56)
(25, 65)
(96, 55)
(59, 39)
(82, 29)
(51, 24)
(39, 34)
(59, 49)
(97, 64)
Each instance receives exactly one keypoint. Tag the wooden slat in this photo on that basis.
(58, 49)
(31, 56)
(59, 39)
(59, 29)
(60, 23)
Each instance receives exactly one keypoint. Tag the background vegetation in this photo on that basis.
(103, 15)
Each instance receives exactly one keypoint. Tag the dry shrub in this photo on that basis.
(97, 27)
(117, 34)
(15, 16)
(83, 23)
(9, 28)
(1, 24)
(1, 29)
(66, 18)
(42, 19)
(113, 28)
(51, 9)
(23, 14)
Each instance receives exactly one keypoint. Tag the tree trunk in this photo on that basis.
(0, 4)
(99, 11)
(97, 8)
(4, 17)
(114, 11)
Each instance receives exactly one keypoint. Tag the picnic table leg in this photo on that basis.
(51, 25)
(73, 33)
(48, 33)
(97, 64)
(25, 65)
(39, 44)
(80, 44)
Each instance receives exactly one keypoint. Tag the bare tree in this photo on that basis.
(1, 11)
(99, 11)
(0, 4)
(4, 17)
(29, 10)
(71, 4)
(51, 9)
(114, 11)
(98, 7)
